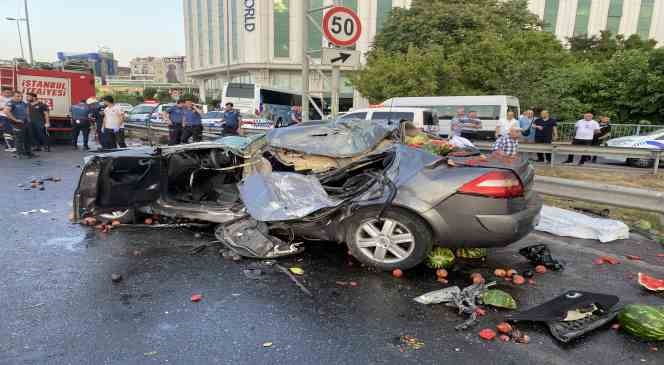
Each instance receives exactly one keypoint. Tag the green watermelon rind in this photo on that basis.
(643, 321)
(440, 251)
(508, 301)
(471, 253)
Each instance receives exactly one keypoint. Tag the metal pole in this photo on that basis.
(228, 45)
(304, 12)
(20, 38)
(27, 23)
(336, 78)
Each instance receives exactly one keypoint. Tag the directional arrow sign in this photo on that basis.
(340, 57)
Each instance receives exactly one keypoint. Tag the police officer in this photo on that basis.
(97, 114)
(80, 118)
(193, 125)
(39, 122)
(175, 118)
(231, 121)
(16, 110)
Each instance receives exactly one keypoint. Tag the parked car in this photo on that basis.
(141, 113)
(354, 183)
(125, 107)
(654, 140)
(421, 117)
(213, 118)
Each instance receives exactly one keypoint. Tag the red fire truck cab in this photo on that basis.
(59, 89)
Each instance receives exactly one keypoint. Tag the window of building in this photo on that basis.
(645, 18)
(210, 33)
(615, 14)
(222, 32)
(582, 17)
(234, 33)
(281, 28)
(383, 11)
(551, 15)
(315, 35)
(199, 30)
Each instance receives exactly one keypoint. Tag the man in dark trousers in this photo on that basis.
(604, 133)
(97, 114)
(546, 131)
(39, 122)
(80, 120)
(16, 110)
(231, 121)
(192, 125)
(174, 117)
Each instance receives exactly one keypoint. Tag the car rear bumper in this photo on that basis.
(473, 221)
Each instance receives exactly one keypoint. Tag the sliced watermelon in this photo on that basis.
(650, 282)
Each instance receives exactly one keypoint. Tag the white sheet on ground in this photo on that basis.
(567, 223)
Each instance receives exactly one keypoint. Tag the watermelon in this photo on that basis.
(643, 321)
(471, 253)
(440, 258)
(651, 283)
(498, 298)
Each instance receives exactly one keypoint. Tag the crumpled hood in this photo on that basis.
(340, 139)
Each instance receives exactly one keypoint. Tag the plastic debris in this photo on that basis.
(540, 255)
(267, 344)
(196, 298)
(410, 342)
(116, 278)
(296, 271)
(439, 296)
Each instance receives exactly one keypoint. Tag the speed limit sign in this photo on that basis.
(342, 27)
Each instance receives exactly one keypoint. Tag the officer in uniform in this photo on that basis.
(80, 118)
(175, 119)
(16, 110)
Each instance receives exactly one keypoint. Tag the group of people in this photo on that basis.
(184, 122)
(23, 124)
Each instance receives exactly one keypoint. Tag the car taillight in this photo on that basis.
(495, 184)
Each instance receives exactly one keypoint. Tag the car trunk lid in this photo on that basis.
(519, 166)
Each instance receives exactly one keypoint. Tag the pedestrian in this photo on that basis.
(456, 124)
(112, 127)
(80, 122)
(6, 129)
(295, 115)
(231, 121)
(192, 123)
(526, 124)
(16, 110)
(546, 131)
(508, 144)
(604, 133)
(174, 117)
(586, 129)
(504, 126)
(39, 122)
(97, 117)
(470, 125)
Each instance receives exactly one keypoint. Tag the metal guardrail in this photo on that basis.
(649, 200)
(566, 130)
(568, 149)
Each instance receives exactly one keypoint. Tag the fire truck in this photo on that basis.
(57, 88)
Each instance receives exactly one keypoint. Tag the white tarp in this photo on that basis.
(567, 223)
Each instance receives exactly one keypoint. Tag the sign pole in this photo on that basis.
(304, 12)
(336, 78)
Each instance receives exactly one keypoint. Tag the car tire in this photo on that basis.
(400, 239)
(640, 162)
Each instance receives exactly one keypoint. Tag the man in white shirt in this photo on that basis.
(113, 127)
(6, 129)
(586, 129)
(504, 126)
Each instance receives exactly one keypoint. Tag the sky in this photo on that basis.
(130, 28)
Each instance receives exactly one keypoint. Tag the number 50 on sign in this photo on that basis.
(342, 26)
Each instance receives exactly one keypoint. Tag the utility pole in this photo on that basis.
(18, 29)
(27, 23)
(336, 77)
(304, 15)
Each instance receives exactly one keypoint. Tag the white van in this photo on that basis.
(421, 117)
(490, 109)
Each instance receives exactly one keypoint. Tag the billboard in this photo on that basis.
(52, 91)
(173, 71)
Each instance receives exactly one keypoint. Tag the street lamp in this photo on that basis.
(18, 28)
(27, 25)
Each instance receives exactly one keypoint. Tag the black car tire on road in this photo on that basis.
(400, 239)
(641, 162)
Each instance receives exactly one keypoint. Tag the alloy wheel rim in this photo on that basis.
(385, 240)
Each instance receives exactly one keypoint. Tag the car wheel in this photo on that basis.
(640, 162)
(399, 239)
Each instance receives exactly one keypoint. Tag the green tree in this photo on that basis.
(149, 92)
(164, 96)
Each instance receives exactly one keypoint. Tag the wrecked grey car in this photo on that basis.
(351, 182)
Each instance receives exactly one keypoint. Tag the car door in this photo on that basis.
(129, 181)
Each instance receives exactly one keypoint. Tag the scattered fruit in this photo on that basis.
(504, 338)
(540, 269)
(478, 279)
(531, 281)
(525, 339)
(610, 260)
(296, 271)
(650, 283)
(480, 312)
(511, 272)
(442, 280)
(615, 326)
(633, 257)
(598, 261)
(504, 328)
(196, 298)
(353, 284)
(441, 273)
(644, 321)
(440, 258)
(500, 273)
(397, 273)
(148, 221)
(498, 298)
(487, 334)
(115, 223)
(518, 280)
(471, 253)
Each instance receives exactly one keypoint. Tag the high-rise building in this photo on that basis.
(103, 63)
(260, 41)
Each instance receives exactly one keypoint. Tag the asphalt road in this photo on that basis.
(59, 305)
